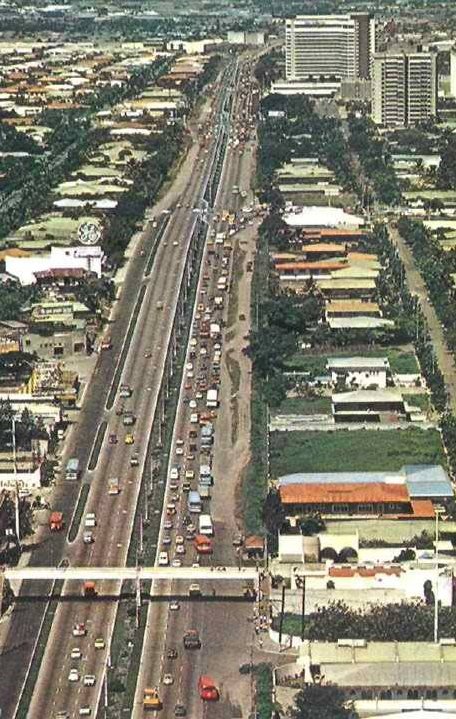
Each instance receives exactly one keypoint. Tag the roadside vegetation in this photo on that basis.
(358, 451)
(405, 622)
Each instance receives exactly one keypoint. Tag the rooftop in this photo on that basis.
(357, 362)
(343, 493)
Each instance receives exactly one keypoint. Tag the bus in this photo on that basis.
(72, 470)
(194, 502)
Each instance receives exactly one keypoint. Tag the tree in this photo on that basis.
(311, 524)
(273, 512)
(317, 701)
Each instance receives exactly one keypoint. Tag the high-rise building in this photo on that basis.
(404, 88)
(338, 46)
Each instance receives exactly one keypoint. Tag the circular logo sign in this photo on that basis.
(89, 233)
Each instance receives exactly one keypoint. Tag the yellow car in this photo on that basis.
(129, 439)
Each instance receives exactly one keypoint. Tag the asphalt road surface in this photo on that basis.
(224, 623)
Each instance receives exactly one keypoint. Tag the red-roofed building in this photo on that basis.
(361, 499)
(62, 277)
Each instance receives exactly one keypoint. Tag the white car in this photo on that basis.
(176, 562)
(76, 653)
(89, 680)
(179, 539)
(73, 676)
(193, 404)
(85, 711)
(190, 374)
(180, 549)
(79, 630)
(189, 366)
(163, 559)
(168, 679)
(179, 451)
(174, 474)
(174, 606)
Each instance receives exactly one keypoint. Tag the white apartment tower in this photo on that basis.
(404, 89)
(338, 46)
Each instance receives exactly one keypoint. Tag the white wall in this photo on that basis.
(88, 258)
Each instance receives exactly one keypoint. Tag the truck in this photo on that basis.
(72, 469)
(151, 700)
(205, 525)
(212, 398)
(222, 284)
(194, 502)
(202, 544)
(215, 331)
(207, 689)
(192, 639)
(56, 522)
(113, 486)
(207, 434)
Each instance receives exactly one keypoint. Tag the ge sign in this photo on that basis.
(89, 233)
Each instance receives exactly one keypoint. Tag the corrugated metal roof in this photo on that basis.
(357, 363)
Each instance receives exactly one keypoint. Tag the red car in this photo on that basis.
(207, 689)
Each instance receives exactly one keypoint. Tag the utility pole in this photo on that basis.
(282, 611)
(436, 592)
(303, 608)
(16, 485)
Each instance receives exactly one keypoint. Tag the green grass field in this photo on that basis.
(299, 405)
(401, 361)
(358, 450)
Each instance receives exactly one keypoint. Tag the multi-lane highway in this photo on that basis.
(143, 372)
(223, 622)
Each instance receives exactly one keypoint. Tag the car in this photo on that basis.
(191, 527)
(120, 410)
(76, 653)
(175, 243)
(194, 590)
(199, 395)
(179, 539)
(89, 680)
(73, 676)
(79, 630)
(85, 711)
(174, 606)
(189, 366)
(112, 439)
(163, 559)
(174, 474)
(134, 460)
(174, 486)
(179, 451)
(170, 509)
(159, 305)
(180, 710)
(99, 643)
(193, 404)
(176, 562)
(88, 538)
(168, 524)
(172, 654)
(188, 385)
(148, 354)
(238, 540)
(190, 374)
(129, 438)
(168, 679)
(63, 714)
(180, 549)
(166, 539)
